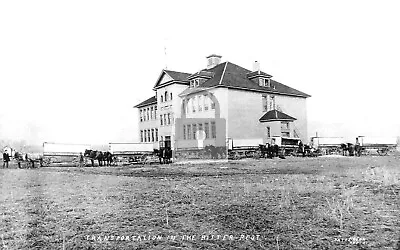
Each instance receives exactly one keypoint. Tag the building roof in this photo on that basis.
(177, 77)
(230, 75)
(258, 73)
(151, 100)
(275, 115)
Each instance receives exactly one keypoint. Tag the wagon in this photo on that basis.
(133, 152)
(243, 148)
(62, 154)
(380, 145)
(328, 145)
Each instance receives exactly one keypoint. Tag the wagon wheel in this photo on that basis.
(382, 151)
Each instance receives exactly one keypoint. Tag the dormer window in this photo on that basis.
(194, 83)
(265, 82)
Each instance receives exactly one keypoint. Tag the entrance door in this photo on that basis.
(167, 142)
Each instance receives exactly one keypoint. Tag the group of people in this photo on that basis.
(270, 150)
(165, 155)
(19, 158)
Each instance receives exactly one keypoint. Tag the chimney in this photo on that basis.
(256, 66)
(213, 60)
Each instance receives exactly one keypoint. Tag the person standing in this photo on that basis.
(81, 160)
(6, 159)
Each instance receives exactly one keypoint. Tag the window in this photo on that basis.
(152, 135)
(184, 132)
(169, 118)
(161, 120)
(151, 113)
(200, 102)
(285, 125)
(268, 132)
(187, 107)
(194, 131)
(156, 134)
(145, 135)
(170, 96)
(193, 105)
(264, 82)
(206, 129)
(270, 102)
(141, 135)
(189, 132)
(200, 126)
(264, 103)
(147, 112)
(191, 84)
(162, 98)
(148, 135)
(285, 134)
(213, 130)
(166, 96)
(155, 112)
(165, 119)
(212, 105)
(205, 101)
(141, 115)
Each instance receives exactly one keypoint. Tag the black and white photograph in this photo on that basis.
(199, 124)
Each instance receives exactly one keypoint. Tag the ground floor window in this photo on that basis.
(207, 130)
(213, 130)
(141, 135)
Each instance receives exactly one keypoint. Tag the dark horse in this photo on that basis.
(105, 158)
(348, 149)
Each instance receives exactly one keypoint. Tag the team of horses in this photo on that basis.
(103, 158)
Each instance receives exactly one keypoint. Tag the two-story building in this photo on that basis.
(250, 103)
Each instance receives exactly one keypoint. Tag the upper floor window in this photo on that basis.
(166, 96)
(205, 99)
(200, 102)
(285, 125)
(170, 96)
(265, 82)
(194, 83)
(162, 98)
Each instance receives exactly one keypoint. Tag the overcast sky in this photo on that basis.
(71, 71)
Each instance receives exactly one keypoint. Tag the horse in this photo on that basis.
(92, 154)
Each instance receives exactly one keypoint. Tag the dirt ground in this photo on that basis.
(295, 203)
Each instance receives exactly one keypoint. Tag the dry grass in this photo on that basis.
(278, 204)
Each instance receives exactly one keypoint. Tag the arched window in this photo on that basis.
(166, 96)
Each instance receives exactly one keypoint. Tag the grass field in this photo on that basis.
(296, 203)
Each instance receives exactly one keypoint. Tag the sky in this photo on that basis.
(71, 71)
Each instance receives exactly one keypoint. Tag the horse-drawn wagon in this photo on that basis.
(62, 154)
(287, 145)
(242, 148)
(128, 153)
(328, 145)
(381, 145)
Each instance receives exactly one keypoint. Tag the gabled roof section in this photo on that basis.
(203, 74)
(170, 78)
(275, 115)
(233, 76)
(150, 101)
(258, 74)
